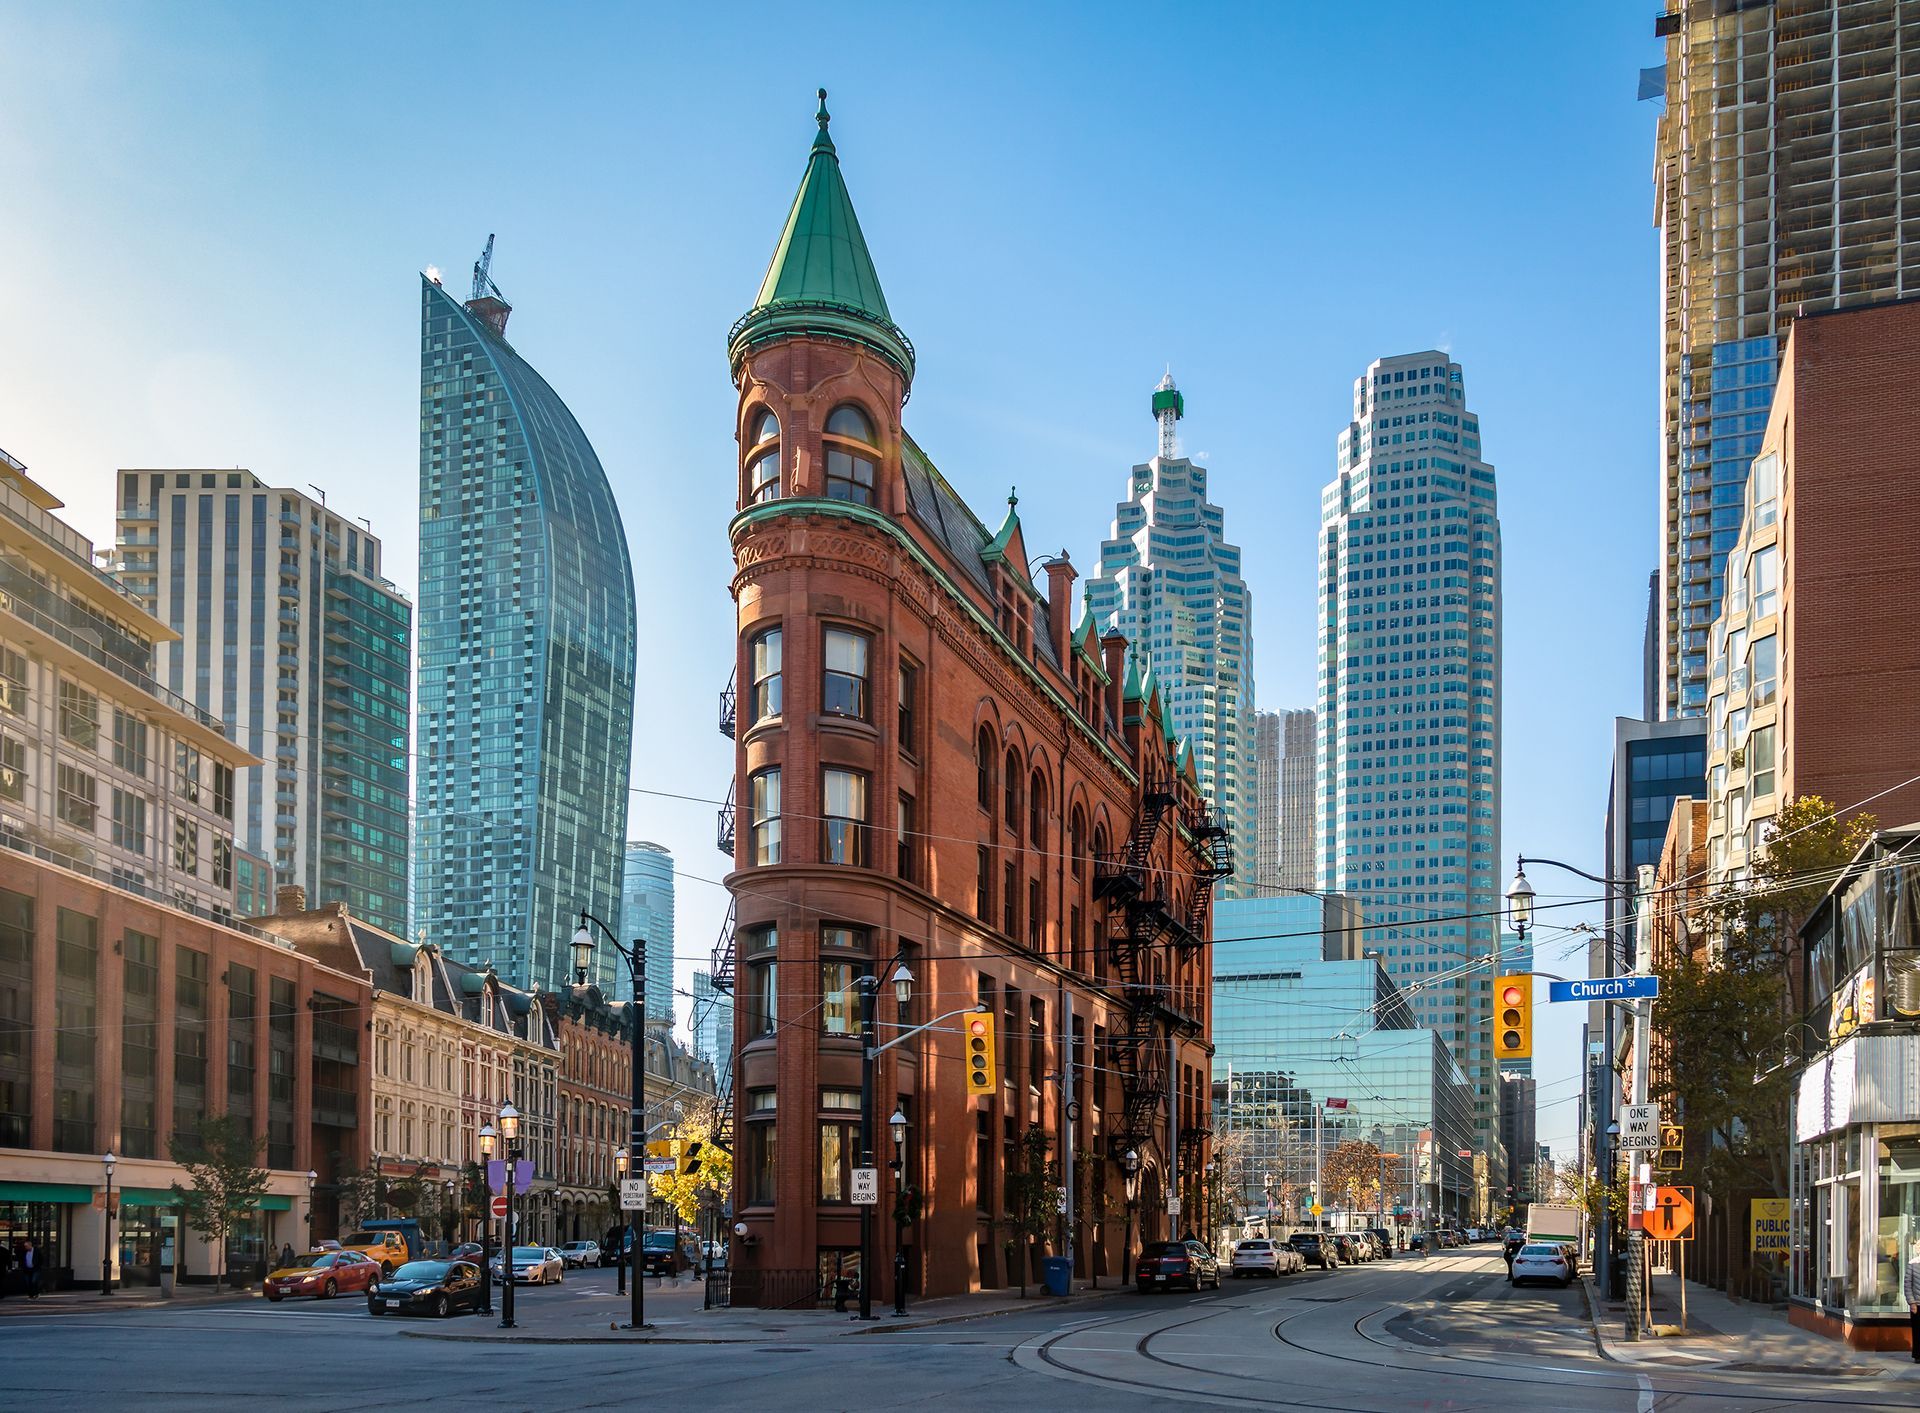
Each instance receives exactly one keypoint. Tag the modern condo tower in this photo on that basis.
(1786, 166)
(1170, 583)
(1410, 695)
(646, 917)
(526, 657)
(292, 635)
(1283, 766)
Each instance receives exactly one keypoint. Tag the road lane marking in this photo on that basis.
(1646, 1394)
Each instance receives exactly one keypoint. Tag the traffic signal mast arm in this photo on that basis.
(976, 1009)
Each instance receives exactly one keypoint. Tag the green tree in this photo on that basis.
(227, 1185)
(1033, 1197)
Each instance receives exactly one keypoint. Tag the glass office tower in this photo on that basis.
(1293, 1029)
(1407, 790)
(526, 659)
(646, 916)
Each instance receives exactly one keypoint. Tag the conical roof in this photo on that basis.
(821, 280)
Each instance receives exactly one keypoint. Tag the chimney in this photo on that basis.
(289, 900)
(1113, 648)
(1060, 577)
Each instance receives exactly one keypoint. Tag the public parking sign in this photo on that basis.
(1640, 1128)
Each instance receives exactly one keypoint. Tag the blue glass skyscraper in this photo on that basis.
(646, 916)
(526, 628)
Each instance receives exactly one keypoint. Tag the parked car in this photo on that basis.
(1316, 1250)
(1345, 1247)
(532, 1265)
(1421, 1241)
(1165, 1264)
(662, 1254)
(467, 1251)
(1541, 1261)
(428, 1288)
(617, 1249)
(322, 1275)
(1258, 1256)
(1513, 1242)
(1383, 1238)
(581, 1253)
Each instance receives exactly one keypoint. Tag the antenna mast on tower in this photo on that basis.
(1168, 408)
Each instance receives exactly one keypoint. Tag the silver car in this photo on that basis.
(581, 1253)
(1258, 1256)
(533, 1265)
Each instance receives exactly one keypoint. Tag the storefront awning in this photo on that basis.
(274, 1203)
(68, 1192)
(146, 1197)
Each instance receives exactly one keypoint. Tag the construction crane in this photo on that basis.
(482, 281)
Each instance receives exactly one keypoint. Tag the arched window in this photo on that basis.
(1012, 783)
(983, 763)
(763, 460)
(1077, 842)
(1037, 810)
(851, 451)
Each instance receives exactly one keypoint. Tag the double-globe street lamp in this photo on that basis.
(620, 1257)
(1130, 1171)
(898, 1124)
(635, 957)
(106, 1229)
(510, 1152)
(487, 1137)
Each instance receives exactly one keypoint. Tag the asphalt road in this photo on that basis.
(1445, 1332)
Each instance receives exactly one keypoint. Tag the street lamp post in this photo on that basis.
(106, 1231)
(450, 1227)
(620, 1257)
(1520, 897)
(486, 1221)
(898, 1124)
(510, 1145)
(635, 957)
(869, 1051)
(1130, 1168)
(312, 1178)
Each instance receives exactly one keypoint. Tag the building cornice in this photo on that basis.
(796, 507)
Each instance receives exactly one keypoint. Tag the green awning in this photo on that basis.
(68, 1192)
(145, 1197)
(273, 1203)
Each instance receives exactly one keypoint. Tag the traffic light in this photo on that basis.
(689, 1158)
(1513, 1017)
(982, 1074)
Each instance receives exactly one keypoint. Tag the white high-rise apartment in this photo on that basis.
(1283, 764)
(1786, 167)
(1171, 583)
(1407, 787)
(288, 632)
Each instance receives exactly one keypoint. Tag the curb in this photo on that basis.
(109, 1304)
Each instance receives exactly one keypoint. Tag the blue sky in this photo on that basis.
(215, 216)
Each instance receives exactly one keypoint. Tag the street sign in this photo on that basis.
(657, 1165)
(1772, 1226)
(1315, 1209)
(1173, 1206)
(1336, 1103)
(866, 1187)
(500, 1205)
(1605, 988)
(1670, 1216)
(1639, 1128)
(633, 1194)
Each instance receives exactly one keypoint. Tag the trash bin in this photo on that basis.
(1058, 1274)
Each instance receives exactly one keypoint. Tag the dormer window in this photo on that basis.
(851, 453)
(763, 460)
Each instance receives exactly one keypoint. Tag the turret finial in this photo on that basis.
(823, 117)
(1013, 497)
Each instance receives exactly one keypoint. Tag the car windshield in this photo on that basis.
(1163, 1248)
(529, 1253)
(578, 1245)
(660, 1241)
(1538, 1250)
(1304, 1236)
(365, 1238)
(1256, 1246)
(422, 1271)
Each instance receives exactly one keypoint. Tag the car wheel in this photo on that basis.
(442, 1307)
(274, 1296)
(386, 1270)
(373, 1307)
(560, 1275)
(327, 1290)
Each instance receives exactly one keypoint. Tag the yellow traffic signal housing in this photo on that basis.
(1513, 1017)
(687, 1160)
(663, 1148)
(983, 1075)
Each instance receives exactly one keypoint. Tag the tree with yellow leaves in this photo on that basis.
(711, 1182)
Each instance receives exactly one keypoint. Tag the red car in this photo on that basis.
(323, 1275)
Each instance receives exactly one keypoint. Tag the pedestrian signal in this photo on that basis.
(982, 1075)
(1513, 1017)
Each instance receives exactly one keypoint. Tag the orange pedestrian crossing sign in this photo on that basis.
(1671, 1215)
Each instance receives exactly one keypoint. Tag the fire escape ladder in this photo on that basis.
(722, 962)
(723, 835)
(728, 707)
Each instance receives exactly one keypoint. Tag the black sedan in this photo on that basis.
(427, 1288)
(1316, 1250)
(1165, 1264)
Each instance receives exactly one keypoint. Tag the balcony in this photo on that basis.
(724, 832)
(728, 710)
(333, 1041)
(335, 1107)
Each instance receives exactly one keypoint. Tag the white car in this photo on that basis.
(581, 1253)
(1538, 1261)
(533, 1265)
(1258, 1256)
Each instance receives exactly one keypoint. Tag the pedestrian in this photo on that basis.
(30, 1269)
(286, 1254)
(1910, 1288)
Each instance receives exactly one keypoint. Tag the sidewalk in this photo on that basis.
(675, 1314)
(1736, 1335)
(82, 1301)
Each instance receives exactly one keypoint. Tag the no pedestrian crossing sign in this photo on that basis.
(633, 1194)
(866, 1187)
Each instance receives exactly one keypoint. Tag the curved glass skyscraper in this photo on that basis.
(526, 629)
